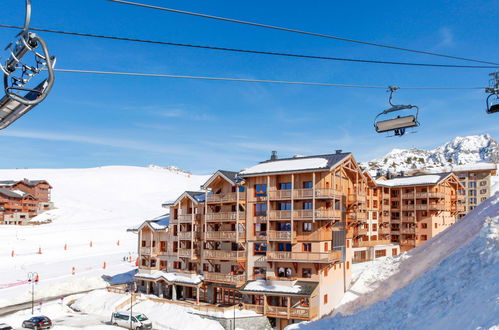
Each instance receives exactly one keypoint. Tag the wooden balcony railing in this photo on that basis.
(224, 255)
(304, 256)
(187, 235)
(224, 278)
(255, 308)
(408, 242)
(360, 231)
(384, 230)
(224, 216)
(148, 250)
(371, 243)
(228, 197)
(187, 218)
(408, 218)
(275, 235)
(408, 230)
(186, 253)
(317, 235)
(280, 194)
(289, 312)
(430, 195)
(319, 193)
(318, 214)
(408, 196)
(279, 215)
(408, 207)
(225, 235)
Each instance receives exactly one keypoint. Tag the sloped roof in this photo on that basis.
(7, 183)
(230, 176)
(298, 288)
(10, 193)
(425, 179)
(295, 164)
(195, 196)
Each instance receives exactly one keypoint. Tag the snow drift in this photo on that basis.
(450, 282)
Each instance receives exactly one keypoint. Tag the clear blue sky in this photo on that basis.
(200, 126)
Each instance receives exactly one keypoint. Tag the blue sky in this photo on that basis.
(201, 126)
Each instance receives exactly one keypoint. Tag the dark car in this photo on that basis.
(4, 326)
(38, 322)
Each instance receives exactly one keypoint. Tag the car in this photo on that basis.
(5, 326)
(139, 321)
(37, 323)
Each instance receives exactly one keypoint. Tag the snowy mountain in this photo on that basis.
(94, 207)
(459, 151)
(450, 282)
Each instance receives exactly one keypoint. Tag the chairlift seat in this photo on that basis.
(396, 124)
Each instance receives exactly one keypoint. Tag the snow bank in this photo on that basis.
(99, 302)
(450, 282)
(494, 184)
(261, 285)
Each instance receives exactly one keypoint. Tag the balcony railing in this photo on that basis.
(408, 242)
(224, 216)
(278, 215)
(147, 250)
(304, 256)
(319, 193)
(318, 214)
(275, 235)
(384, 230)
(186, 253)
(408, 230)
(289, 312)
(280, 194)
(317, 235)
(228, 197)
(255, 308)
(186, 218)
(430, 195)
(224, 255)
(225, 235)
(371, 243)
(360, 231)
(408, 218)
(410, 207)
(224, 278)
(187, 235)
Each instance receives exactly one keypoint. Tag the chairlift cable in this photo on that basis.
(285, 82)
(254, 51)
(273, 27)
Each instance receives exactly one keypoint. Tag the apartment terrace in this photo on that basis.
(307, 193)
(316, 257)
(224, 255)
(224, 216)
(225, 235)
(305, 214)
(231, 197)
(188, 218)
(188, 235)
(372, 243)
(231, 279)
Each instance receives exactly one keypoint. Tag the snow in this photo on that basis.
(271, 286)
(411, 180)
(494, 184)
(94, 205)
(173, 277)
(286, 165)
(450, 282)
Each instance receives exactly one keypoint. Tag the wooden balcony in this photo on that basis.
(408, 218)
(408, 196)
(289, 312)
(357, 198)
(255, 308)
(408, 207)
(318, 214)
(185, 253)
(371, 243)
(225, 278)
(224, 216)
(225, 198)
(318, 257)
(408, 230)
(430, 195)
(407, 242)
(360, 231)
(224, 255)
(187, 235)
(280, 194)
(384, 230)
(275, 235)
(148, 250)
(188, 218)
(320, 193)
(317, 235)
(280, 215)
(224, 235)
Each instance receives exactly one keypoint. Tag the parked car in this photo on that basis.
(37, 323)
(139, 321)
(5, 326)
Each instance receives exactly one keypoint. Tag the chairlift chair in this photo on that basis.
(19, 99)
(399, 124)
(493, 90)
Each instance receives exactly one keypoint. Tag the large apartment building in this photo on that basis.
(420, 206)
(22, 200)
(280, 237)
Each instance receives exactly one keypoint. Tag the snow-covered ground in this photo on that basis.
(450, 282)
(95, 206)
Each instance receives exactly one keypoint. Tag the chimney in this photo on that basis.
(338, 151)
(274, 155)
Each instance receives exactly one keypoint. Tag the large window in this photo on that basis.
(307, 185)
(261, 190)
(307, 272)
(284, 247)
(260, 249)
(285, 206)
(471, 184)
(307, 247)
(307, 226)
(379, 253)
(307, 205)
(260, 209)
(284, 226)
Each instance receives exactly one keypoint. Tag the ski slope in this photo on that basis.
(450, 282)
(95, 206)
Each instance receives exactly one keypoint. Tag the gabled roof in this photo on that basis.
(195, 196)
(229, 176)
(295, 164)
(10, 193)
(7, 183)
(425, 179)
(157, 224)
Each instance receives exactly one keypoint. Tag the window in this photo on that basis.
(260, 249)
(162, 246)
(176, 264)
(285, 186)
(424, 237)
(394, 252)
(143, 243)
(472, 192)
(471, 184)
(306, 273)
(285, 206)
(325, 299)
(307, 226)
(153, 243)
(217, 268)
(436, 225)
(284, 272)
(284, 226)
(472, 200)
(307, 247)
(483, 183)
(326, 246)
(261, 229)
(348, 243)
(260, 209)
(307, 205)
(307, 185)
(162, 264)
(206, 267)
(379, 253)
(284, 247)
(424, 225)
(348, 264)
(375, 227)
(483, 191)
(260, 190)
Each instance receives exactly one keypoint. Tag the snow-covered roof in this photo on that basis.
(297, 164)
(172, 277)
(428, 179)
(474, 167)
(11, 193)
(303, 288)
(195, 196)
(19, 192)
(229, 176)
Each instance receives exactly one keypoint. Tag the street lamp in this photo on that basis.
(130, 289)
(32, 278)
(240, 305)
